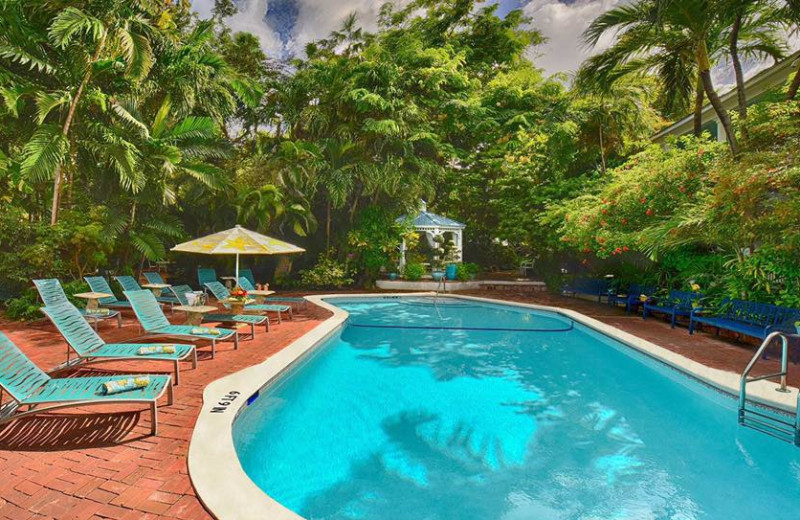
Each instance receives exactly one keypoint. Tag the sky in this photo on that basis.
(285, 26)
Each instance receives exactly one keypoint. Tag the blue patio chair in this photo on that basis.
(154, 323)
(179, 291)
(100, 285)
(632, 298)
(30, 387)
(245, 284)
(206, 275)
(129, 283)
(52, 293)
(221, 293)
(677, 303)
(90, 348)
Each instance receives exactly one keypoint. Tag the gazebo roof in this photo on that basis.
(426, 219)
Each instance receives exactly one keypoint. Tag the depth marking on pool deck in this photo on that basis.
(229, 494)
(225, 401)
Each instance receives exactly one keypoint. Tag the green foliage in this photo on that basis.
(467, 271)
(375, 241)
(328, 273)
(414, 271)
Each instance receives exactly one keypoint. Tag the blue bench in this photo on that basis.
(589, 286)
(632, 298)
(678, 303)
(753, 319)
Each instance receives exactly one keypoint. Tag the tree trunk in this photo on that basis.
(704, 67)
(699, 97)
(790, 95)
(68, 123)
(328, 227)
(602, 151)
(741, 95)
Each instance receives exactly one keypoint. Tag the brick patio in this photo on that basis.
(101, 462)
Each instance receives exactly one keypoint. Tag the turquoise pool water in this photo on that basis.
(533, 419)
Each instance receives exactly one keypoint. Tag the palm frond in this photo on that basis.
(70, 23)
(46, 151)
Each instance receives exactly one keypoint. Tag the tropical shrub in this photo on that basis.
(466, 271)
(26, 306)
(414, 272)
(328, 273)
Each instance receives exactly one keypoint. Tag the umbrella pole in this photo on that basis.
(237, 271)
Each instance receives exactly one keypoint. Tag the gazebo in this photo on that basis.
(433, 225)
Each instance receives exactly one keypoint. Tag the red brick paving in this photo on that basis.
(101, 463)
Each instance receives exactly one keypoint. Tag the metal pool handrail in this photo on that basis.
(772, 423)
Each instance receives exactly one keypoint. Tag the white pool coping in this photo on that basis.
(229, 494)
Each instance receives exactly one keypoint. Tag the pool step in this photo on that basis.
(769, 423)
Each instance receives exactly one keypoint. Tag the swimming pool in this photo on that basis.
(468, 410)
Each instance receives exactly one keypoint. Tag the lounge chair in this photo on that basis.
(129, 283)
(206, 275)
(153, 277)
(678, 303)
(90, 348)
(248, 275)
(100, 285)
(30, 387)
(154, 323)
(52, 293)
(179, 291)
(221, 293)
(245, 284)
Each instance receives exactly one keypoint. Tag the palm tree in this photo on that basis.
(698, 21)
(119, 30)
(789, 15)
(752, 25)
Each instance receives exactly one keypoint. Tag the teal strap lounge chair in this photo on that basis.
(221, 293)
(206, 275)
(179, 291)
(153, 277)
(100, 284)
(248, 275)
(245, 284)
(90, 348)
(154, 323)
(52, 293)
(31, 388)
(129, 283)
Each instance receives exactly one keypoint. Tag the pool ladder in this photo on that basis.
(772, 423)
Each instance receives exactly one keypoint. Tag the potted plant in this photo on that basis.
(414, 271)
(237, 300)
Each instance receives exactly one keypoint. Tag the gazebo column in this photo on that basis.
(402, 255)
(459, 244)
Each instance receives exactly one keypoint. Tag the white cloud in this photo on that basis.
(563, 24)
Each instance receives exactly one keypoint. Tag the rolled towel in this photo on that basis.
(156, 349)
(207, 331)
(124, 385)
(98, 312)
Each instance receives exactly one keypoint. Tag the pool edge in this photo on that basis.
(228, 493)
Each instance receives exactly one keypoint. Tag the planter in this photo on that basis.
(437, 276)
(451, 271)
(392, 276)
(237, 307)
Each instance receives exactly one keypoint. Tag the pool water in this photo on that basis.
(502, 412)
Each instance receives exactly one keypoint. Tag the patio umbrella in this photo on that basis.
(237, 241)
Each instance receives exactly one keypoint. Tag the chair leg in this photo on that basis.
(170, 394)
(291, 316)
(267, 323)
(194, 358)
(236, 340)
(253, 330)
(177, 373)
(213, 348)
(153, 418)
(691, 326)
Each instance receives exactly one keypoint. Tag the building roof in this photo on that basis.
(426, 219)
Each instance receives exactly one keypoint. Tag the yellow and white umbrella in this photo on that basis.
(238, 241)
